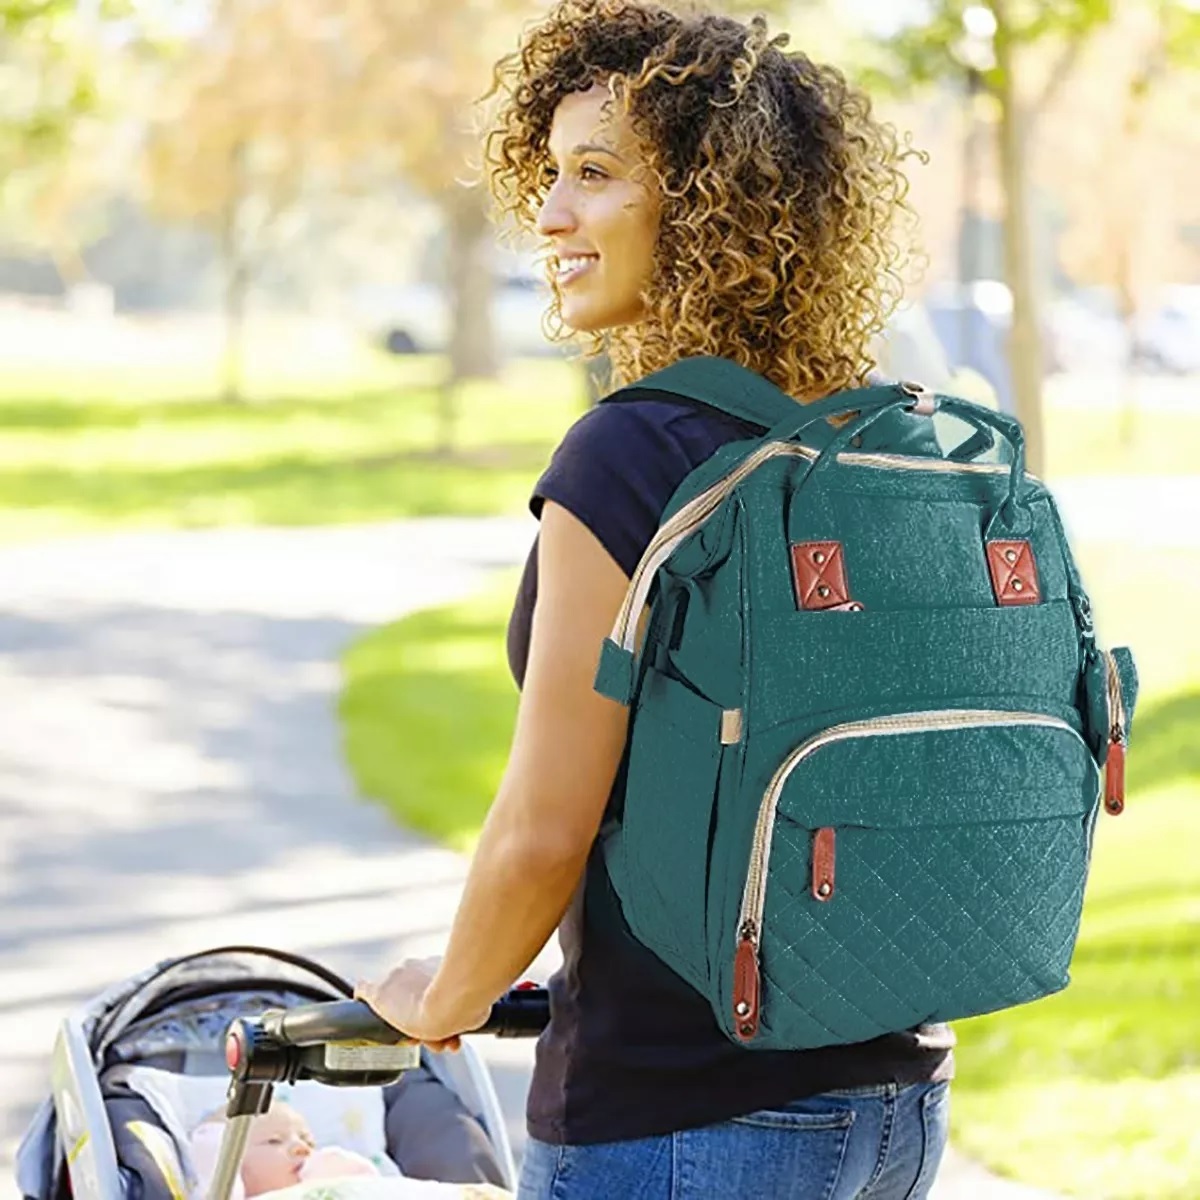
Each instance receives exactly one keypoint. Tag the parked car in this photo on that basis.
(1167, 338)
(415, 318)
(972, 324)
(1085, 332)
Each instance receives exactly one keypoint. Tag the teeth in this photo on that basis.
(567, 265)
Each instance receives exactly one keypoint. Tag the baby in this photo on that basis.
(280, 1153)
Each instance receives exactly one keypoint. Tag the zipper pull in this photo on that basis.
(1114, 773)
(746, 983)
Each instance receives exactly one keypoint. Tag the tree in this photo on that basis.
(51, 98)
(236, 141)
(1128, 197)
(46, 81)
(415, 99)
(392, 97)
(1034, 48)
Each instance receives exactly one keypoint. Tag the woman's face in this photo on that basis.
(600, 216)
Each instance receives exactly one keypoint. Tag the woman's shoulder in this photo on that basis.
(618, 465)
(652, 425)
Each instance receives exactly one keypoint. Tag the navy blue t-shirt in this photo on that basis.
(633, 1050)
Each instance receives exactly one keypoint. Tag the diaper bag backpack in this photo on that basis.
(869, 719)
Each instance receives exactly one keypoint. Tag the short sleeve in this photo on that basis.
(615, 470)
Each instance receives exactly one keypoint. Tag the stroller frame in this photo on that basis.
(338, 1042)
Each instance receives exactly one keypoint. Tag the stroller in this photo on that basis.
(137, 1066)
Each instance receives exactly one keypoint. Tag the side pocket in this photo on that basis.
(1095, 705)
(1100, 690)
(674, 763)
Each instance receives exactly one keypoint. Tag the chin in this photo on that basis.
(585, 320)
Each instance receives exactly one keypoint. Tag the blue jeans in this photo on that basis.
(873, 1143)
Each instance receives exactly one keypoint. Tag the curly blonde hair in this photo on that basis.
(780, 192)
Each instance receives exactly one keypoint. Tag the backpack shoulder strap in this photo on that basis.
(730, 388)
(722, 384)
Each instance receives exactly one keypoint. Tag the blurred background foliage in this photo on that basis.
(247, 275)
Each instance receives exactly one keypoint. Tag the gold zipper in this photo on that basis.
(754, 894)
(907, 462)
(1114, 767)
(1116, 702)
(698, 510)
(685, 522)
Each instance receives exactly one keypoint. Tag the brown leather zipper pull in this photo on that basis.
(824, 857)
(746, 985)
(1114, 778)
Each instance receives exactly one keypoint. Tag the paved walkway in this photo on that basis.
(170, 775)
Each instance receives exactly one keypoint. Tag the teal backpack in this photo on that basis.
(869, 717)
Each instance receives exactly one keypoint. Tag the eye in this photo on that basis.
(588, 172)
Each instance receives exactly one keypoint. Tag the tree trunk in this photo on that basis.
(1126, 293)
(968, 220)
(1025, 344)
(236, 284)
(469, 253)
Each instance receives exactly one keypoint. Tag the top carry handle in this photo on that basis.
(615, 673)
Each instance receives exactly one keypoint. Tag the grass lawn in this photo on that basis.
(1092, 1092)
(441, 677)
(139, 448)
(123, 433)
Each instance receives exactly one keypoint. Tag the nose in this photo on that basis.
(300, 1149)
(556, 216)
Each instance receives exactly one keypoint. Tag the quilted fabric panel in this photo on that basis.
(927, 924)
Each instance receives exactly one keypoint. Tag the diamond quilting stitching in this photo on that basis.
(792, 950)
(988, 953)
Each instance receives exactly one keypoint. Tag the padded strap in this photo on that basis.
(747, 396)
(722, 384)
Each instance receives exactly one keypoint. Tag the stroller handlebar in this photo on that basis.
(521, 1012)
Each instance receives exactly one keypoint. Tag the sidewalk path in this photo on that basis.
(170, 775)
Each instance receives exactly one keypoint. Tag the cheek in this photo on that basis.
(264, 1164)
(641, 237)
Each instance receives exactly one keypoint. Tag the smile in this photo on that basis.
(570, 269)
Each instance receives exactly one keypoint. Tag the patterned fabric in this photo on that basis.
(937, 747)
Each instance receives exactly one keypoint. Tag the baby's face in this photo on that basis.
(279, 1143)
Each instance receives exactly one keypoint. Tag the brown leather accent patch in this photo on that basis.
(824, 857)
(1014, 573)
(819, 573)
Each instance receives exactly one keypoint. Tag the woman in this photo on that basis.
(700, 192)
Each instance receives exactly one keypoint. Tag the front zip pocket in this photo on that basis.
(913, 867)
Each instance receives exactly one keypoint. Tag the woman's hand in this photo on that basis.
(404, 1000)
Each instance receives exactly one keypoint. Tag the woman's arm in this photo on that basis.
(535, 841)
